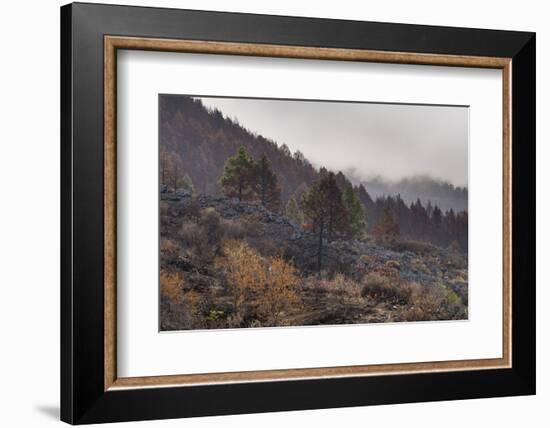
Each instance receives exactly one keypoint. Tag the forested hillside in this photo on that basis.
(197, 142)
(204, 139)
(444, 195)
(253, 235)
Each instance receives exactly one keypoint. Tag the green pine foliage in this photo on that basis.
(237, 178)
(293, 212)
(205, 138)
(387, 228)
(323, 208)
(199, 141)
(356, 211)
(187, 184)
(266, 184)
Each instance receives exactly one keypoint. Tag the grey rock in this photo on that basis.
(352, 256)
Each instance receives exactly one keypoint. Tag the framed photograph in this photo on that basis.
(267, 213)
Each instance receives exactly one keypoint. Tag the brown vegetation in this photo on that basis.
(263, 288)
(268, 240)
(419, 303)
(232, 272)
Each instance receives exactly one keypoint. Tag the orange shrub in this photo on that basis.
(244, 271)
(278, 293)
(193, 302)
(266, 285)
(171, 285)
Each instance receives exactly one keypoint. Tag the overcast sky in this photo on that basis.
(393, 141)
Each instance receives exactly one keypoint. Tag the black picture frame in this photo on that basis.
(83, 398)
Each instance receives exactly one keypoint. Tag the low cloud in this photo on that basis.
(392, 141)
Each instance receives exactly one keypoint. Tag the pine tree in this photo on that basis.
(187, 184)
(387, 228)
(238, 174)
(430, 209)
(266, 184)
(420, 219)
(293, 212)
(462, 229)
(450, 225)
(323, 206)
(285, 150)
(436, 222)
(355, 210)
(338, 220)
(164, 164)
(364, 197)
(171, 173)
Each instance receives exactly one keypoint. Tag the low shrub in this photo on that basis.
(413, 246)
(393, 264)
(176, 312)
(171, 285)
(340, 285)
(452, 298)
(196, 244)
(278, 294)
(169, 247)
(233, 229)
(393, 289)
(202, 239)
(211, 223)
(260, 288)
(251, 226)
(436, 302)
(426, 305)
(266, 246)
(192, 209)
(456, 261)
(419, 265)
(173, 317)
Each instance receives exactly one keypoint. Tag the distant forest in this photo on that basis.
(208, 153)
(440, 193)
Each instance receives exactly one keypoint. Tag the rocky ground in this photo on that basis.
(270, 233)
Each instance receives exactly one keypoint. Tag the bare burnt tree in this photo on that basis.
(323, 207)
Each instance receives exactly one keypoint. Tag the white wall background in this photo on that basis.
(29, 215)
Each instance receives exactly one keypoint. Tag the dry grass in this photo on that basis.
(340, 285)
(231, 274)
(426, 305)
(435, 303)
(418, 303)
(393, 289)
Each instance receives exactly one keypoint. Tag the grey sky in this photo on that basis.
(393, 141)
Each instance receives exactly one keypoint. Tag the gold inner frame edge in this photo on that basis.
(113, 43)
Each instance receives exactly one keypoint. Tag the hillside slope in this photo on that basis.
(204, 139)
(361, 281)
(200, 141)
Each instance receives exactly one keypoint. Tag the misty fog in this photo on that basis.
(391, 141)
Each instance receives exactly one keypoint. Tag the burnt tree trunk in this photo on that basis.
(263, 194)
(330, 218)
(320, 248)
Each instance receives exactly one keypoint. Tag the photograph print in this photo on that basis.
(282, 212)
